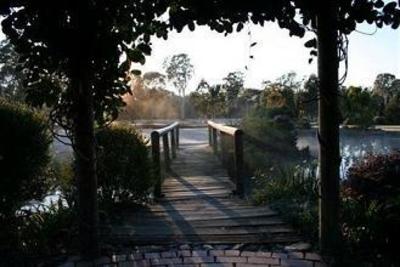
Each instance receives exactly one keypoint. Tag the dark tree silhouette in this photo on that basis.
(233, 85)
(11, 78)
(81, 42)
(179, 71)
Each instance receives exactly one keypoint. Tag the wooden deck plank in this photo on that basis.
(198, 206)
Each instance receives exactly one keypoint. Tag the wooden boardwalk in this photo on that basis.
(198, 207)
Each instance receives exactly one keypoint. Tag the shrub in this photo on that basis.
(371, 209)
(36, 234)
(270, 139)
(124, 166)
(376, 177)
(392, 110)
(62, 171)
(293, 192)
(24, 156)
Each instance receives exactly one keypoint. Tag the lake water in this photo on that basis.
(354, 144)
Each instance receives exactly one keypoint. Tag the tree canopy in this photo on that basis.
(46, 33)
(72, 53)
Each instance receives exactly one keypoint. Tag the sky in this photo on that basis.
(214, 55)
(276, 53)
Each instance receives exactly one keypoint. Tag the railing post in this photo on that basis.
(241, 183)
(209, 135)
(177, 136)
(215, 140)
(173, 144)
(166, 150)
(155, 151)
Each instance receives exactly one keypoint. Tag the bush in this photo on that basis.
(36, 234)
(62, 171)
(270, 139)
(293, 192)
(376, 177)
(124, 167)
(371, 209)
(392, 110)
(24, 156)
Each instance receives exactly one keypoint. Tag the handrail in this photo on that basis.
(173, 131)
(167, 128)
(215, 129)
(223, 128)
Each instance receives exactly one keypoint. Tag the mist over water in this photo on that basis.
(354, 144)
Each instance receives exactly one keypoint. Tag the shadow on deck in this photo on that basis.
(198, 207)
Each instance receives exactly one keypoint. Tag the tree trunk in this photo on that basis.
(85, 158)
(183, 105)
(83, 136)
(329, 153)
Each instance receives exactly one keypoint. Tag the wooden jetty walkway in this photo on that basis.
(197, 203)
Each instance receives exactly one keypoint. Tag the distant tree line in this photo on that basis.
(288, 95)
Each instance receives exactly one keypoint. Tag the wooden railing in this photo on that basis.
(169, 136)
(227, 143)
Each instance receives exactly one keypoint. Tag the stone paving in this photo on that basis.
(186, 257)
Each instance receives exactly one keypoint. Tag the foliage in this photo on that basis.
(24, 156)
(293, 192)
(233, 85)
(149, 99)
(307, 99)
(124, 166)
(11, 77)
(383, 86)
(99, 35)
(209, 100)
(359, 107)
(179, 71)
(371, 209)
(279, 96)
(48, 231)
(77, 56)
(375, 177)
(62, 171)
(154, 80)
(392, 110)
(270, 139)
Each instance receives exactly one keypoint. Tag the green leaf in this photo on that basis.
(311, 43)
(136, 72)
(191, 26)
(145, 48)
(136, 55)
(390, 7)
(239, 27)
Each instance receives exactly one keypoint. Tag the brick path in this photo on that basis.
(204, 258)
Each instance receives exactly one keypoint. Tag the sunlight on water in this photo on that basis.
(354, 144)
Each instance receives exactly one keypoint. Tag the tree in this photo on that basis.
(359, 106)
(307, 99)
(233, 84)
(392, 110)
(148, 98)
(383, 86)
(179, 71)
(11, 77)
(280, 95)
(209, 99)
(69, 31)
(154, 80)
(81, 43)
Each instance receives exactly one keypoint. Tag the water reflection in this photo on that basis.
(354, 144)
